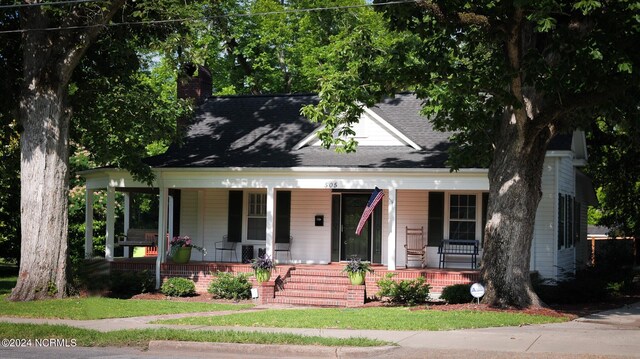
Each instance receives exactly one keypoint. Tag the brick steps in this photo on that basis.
(312, 294)
(315, 286)
(318, 302)
(327, 288)
(329, 281)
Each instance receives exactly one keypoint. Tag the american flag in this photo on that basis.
(376, 197)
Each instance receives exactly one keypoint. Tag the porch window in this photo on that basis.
(257, 217)
(462, 216)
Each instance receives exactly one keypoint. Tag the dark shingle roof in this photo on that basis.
(261, 131)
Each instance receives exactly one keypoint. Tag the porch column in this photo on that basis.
(270, 220)
(127, 217)
(111, 219)
(391, 239)
(170, 218)
(163, 198)
(88, 221)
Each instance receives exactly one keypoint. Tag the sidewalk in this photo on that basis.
(610, 333)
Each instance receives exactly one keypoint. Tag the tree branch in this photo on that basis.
(75, 46)
(557, 114)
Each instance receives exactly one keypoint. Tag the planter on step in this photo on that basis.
(356, 278)
(262, 275)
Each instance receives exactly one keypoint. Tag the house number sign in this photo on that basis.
(331, 184)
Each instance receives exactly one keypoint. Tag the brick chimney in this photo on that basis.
(194, 81)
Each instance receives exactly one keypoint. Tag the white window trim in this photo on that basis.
(246, 198)
(447, 212)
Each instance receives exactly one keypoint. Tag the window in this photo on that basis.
(257, 217)
(462, 216)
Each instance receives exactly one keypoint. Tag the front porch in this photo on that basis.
(301, 284)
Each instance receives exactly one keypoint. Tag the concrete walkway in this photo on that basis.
(606, 334)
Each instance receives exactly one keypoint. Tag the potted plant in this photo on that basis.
(357, 270)
(181, 249)
(262, 267)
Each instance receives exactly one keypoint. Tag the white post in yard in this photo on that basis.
(270, 220)
(127, 217)
(111, 219)
(88, 221)
(162, 231)
(391, 239)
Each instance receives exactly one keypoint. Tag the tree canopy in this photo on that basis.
(113, 104)
(507, 76)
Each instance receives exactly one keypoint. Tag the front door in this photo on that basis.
(351, 244)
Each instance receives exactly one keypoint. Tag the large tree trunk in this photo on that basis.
(49, 59)
(44, 195)
(514, 193)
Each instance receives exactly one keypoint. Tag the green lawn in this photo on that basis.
(99, 308)
(370, 318)
(141, 338)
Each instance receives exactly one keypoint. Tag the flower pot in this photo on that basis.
(262, 275)
(356, 278)
(182, 255)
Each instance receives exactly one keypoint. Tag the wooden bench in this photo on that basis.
(137, 237)
(458, 247)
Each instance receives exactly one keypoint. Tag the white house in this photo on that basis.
(251, 169)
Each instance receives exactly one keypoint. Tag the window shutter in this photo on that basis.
(576, 221)
(335, 228)
(234, 221)
(283, 216)
(561, 219)
(485, 204)
(436, 219)
(569, 238)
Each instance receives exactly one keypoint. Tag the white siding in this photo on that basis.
(311, 244)
(370, 133)
(189, 218)
(412, 213)
(215, 208)
(545, 233)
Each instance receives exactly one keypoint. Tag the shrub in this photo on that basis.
(457, 294)
(409, 292)
(127, 284)
(178, 287)
(588, 285)
(230, 286)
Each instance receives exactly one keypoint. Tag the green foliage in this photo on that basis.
(614, 149)
(7, 284)
(409, 292)
(9, 186)
(127, 284)
(178, 287)
(356, 265)
(457, 294)
(229, 286)
(591, 285)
